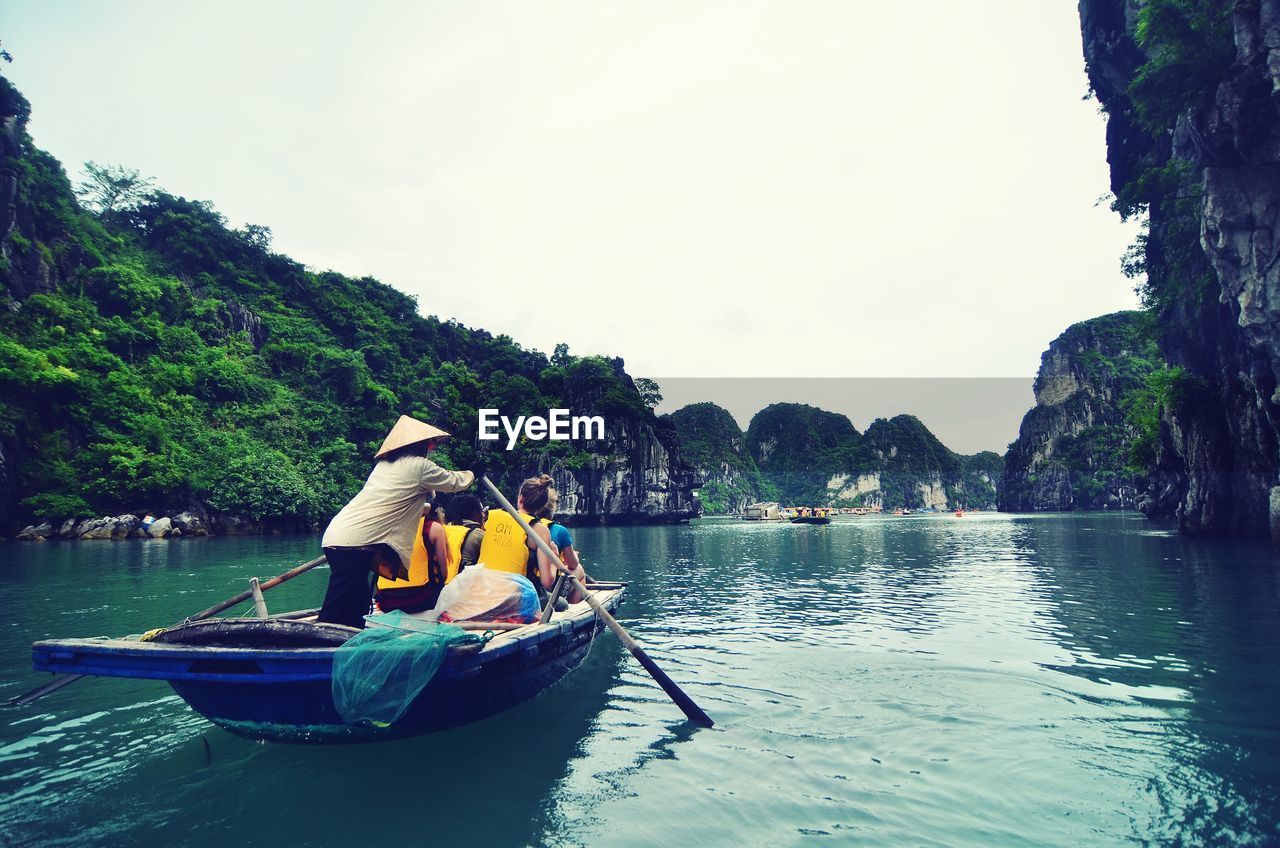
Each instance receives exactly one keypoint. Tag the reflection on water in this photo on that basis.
(1056, 680)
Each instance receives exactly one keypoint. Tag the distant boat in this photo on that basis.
(811, 519)
(764, 511)
(959, 513)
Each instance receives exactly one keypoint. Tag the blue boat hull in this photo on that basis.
(284, 694)
(303, 711)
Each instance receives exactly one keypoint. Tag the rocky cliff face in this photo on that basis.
(1073, 446)
(812, 456)
(1194, 136)
(917, 471)
(36, 251)
(637, 476)
(799, 449)
(860, 489)
(716, 447)
(8, 490)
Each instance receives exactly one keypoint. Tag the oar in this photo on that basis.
(248, 593)
(683, 701)
(58, 682)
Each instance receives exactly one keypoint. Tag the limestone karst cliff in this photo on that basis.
(807, 455)
(1073, 447)
(637, 474)
(916, 470)
(1191, 90)
(712, 442)
(155, 360)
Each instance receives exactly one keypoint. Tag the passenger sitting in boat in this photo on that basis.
(375, 532)
(464, 533)
(563, 540)
(507, 548)
(428, 569)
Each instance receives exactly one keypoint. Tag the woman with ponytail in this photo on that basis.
(507, 548)
(560, 538)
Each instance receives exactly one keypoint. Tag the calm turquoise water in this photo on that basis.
(991, 680)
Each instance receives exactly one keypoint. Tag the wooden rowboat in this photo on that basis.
(811, 519)
(270, 678)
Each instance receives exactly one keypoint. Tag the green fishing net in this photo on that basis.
(380, 671)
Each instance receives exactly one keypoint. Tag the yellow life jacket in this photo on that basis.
(421, 567)
(506, 547)
(454, 536)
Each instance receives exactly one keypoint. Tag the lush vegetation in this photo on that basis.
(800, 449)
(151, 355)
(1099, 440)
(1165, 389)
(1124, 354)
(1189, 50)
(714, 444)
(910, 455)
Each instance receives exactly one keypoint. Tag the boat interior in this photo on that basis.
(299, 629)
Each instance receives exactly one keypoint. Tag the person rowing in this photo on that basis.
(374, 533)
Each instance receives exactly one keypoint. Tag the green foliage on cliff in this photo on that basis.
(1119, 348)
(800, 449)
(714, 444)
(1189, 50)
(1168, 264)
(903, 443)
(980, 475)
(1118, 452)
(153, 354)
(1078, 452)
(910, 454)
(1163, 390)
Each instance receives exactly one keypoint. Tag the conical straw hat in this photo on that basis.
(408, 431)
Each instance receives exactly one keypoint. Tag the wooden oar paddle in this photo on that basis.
(66, 679)
(683, 701)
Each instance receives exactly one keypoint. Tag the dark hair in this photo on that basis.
(538, 497)
(464, 506)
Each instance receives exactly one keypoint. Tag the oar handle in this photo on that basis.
(40, 691)
(248, 593)
(683, 701)
(552, 599)
(58, 682)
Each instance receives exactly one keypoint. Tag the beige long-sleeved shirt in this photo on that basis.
(387, 509)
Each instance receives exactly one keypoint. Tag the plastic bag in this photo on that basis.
(379, 672)
(482, 594)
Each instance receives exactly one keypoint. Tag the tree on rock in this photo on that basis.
(112, 188)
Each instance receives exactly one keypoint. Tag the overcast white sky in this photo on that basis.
(706, 189)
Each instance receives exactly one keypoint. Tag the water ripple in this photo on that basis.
(1047, 680)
